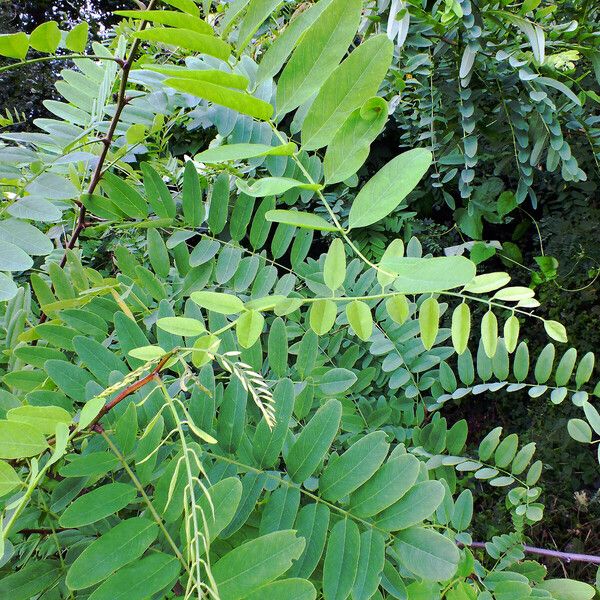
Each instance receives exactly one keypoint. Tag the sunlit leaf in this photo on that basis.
(20, 440)
(239, 101)
(388, 187)
(169, 17)
(317, 54)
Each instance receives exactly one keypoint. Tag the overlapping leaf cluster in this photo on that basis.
(224, 411)
(498, 91)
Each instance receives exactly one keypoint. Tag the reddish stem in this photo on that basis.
(122, 101)
(130, 389)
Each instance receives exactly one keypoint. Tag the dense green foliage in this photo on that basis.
(224, 374)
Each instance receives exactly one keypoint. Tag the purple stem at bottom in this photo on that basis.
(566, 556)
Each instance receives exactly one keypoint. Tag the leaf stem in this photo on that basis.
(328, 207)
(136, 482)
(31, 61)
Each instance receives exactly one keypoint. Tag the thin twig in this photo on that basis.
(566, 556)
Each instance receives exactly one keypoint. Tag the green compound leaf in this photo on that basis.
(30, 581)
(511, 333)
(419, 503)
(144, 578)
(556, 331)
(341, 560)
(429, 321)
(349, 148)
(297, 218)
(283, 45)
(14, 45)
(334, 269)
(231, 152)
(489, 333)
(169, 17)
(317, 54)
(579, 430)
(42, 418)
(398, 308)
(77, 38)
(219, 504)
(311, 524)
(427, 554)
(222, 78)
(370, 564)
(288, 589)
(422, 275)
(225, 304)
(354, 81)
(183, 326)
(386, 487)
(354, 467)
(86, 465)
(13, 258)
(336, 381)
(360, 319)
(461, 327)
(9, 479)
(273, 186)
(186, 38)
(322, 316)
(239, 101)
(249, 327)
(567, 589)
(45, 37)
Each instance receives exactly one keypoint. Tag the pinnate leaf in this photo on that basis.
(428, 554)
(360, 319)
(97, 504)
(297, 218)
